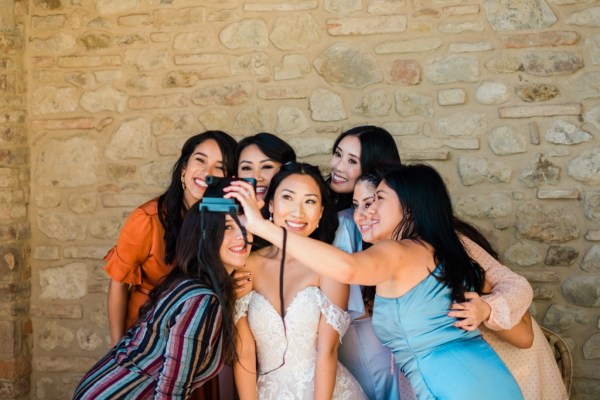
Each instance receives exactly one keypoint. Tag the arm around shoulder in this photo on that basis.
(511, 293)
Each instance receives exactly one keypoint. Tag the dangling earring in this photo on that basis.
(183, 180)
(271, 217)
(317, 224)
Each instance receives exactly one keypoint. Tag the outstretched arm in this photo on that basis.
(322, 258)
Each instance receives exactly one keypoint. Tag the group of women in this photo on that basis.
(363, 285)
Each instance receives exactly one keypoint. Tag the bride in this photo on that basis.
(294, 333)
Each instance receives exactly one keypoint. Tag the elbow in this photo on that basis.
(528, 343)
(328, 351)
(346, 275)
(526, 287)
(525, 342)
(246, 350)
(347, 270)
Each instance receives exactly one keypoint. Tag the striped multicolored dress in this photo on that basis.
(174, 349)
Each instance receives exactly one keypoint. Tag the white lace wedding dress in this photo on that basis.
(296, 348)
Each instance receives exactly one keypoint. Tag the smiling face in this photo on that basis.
(362, 200)
(206, 159)
(386, 204)
(233, 253)
(296, 204)
(255, 164)
(345, 165)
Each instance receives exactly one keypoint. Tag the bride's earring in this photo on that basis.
(271, 217)
(183, 180)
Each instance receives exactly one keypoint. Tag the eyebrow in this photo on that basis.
(364, 198)
(206, 156)
(350, 154)
(260, 162)
(291, 191)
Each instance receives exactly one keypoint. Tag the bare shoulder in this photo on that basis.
(259, 258)
(390, 247)
(402, 252)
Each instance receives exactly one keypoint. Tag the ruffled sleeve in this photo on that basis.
(241, 307)
(123, 262)
(335, 316)
(511, 293)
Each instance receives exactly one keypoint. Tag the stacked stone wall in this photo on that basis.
(15, 233)
(501, 96)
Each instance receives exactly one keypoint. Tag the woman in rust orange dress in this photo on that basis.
(145, 250)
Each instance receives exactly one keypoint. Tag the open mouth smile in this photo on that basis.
(296, 226)
(335, 178)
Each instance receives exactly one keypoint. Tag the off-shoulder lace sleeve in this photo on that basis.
(241, 307)
(335, 316)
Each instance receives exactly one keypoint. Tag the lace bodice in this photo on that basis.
(288, 357)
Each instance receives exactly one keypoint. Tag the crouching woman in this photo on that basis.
(184, 333)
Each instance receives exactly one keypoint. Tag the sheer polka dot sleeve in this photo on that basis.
(511, 293)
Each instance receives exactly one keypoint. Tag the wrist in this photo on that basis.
(487, 311)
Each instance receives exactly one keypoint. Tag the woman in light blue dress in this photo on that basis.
(357, 151)
(419, 267)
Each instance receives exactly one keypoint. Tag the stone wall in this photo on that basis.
(501, 96)
(15, 233)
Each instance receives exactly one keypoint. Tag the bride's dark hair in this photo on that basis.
(328, 223)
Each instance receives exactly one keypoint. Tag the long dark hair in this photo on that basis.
(170, 203)
(427, 216)
(200, 265)
(328, 223)
(377, 145)
(270, 145)
(473, 233)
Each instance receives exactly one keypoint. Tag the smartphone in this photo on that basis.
(217, 184)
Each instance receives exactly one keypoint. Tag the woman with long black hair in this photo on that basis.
(185, 331)
(419, 267)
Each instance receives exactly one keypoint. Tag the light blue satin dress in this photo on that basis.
(361, 352)
(440, 360)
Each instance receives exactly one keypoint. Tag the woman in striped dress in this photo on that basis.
(184, 333)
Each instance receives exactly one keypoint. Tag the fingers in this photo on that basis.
(242, 282)
(244, 193)
(458, 306)
(241, 278)
(243, 187)
(466, 324)
(466, 315)
(471, 296)
(461, 314)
